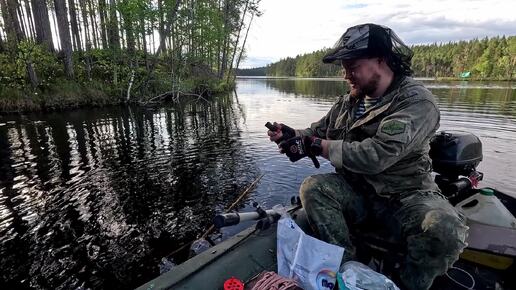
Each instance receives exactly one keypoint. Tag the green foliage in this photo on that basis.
(198, 43)
(45, 62)
(257, 71)
(485, 59)
(9, 74)
(306, 65)
(493, 58)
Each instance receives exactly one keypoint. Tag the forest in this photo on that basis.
(58, 54)
(493, 58)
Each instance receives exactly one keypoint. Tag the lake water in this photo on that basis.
(95, 197)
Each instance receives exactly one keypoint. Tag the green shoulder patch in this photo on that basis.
(393, 127)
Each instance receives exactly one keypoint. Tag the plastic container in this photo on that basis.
(199, 246)
(166, 265)
(484, 207)
(357, 276)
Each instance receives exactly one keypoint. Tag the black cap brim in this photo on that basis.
(336, 56)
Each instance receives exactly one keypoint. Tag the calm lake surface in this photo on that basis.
(95, 198)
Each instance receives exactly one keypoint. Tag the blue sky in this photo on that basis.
(292, 27)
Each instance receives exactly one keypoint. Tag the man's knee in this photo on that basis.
(311, 188)
(442, 239)
(434, 249)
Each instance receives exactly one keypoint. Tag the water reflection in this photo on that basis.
(472, 94)
(96, 198)
(318, 88)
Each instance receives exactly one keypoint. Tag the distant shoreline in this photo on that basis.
(340, 78)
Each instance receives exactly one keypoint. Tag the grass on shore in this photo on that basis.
(68, 94)
(61, 95)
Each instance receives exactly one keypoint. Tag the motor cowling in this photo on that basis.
(455, 156)
(455, 153)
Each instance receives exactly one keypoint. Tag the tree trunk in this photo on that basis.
(15, 34)
(114, 37)
(103, 16)
(21, 19)
(10, 33)
(170, 21)
(87, 37)
(144, 41)
(64, 35)
(236, 42)
(161, 24)
(129, 34)
(11, 21)
(76, 37)
(243, 45)
(93, 24)
(84, 15)
(30, 20)
(42, 24)
(225, 46)
(32, 73)
(54, 22)
(191, 43)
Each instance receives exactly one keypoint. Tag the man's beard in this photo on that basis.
(366, 90)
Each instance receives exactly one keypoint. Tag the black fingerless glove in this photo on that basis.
(300, 147)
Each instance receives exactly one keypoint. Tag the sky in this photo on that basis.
(291, 27)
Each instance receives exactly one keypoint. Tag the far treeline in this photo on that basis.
(59, 53)
(493, 58)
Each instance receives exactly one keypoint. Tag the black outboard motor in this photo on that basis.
(455, 156)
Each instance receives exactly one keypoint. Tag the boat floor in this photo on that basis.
(243, 256)
(250, 252)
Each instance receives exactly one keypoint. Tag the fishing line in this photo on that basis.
(459, 283)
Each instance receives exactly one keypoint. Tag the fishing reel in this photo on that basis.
(316, 146)
(265, 218)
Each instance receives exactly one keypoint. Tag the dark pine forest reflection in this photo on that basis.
(96, 198)
(320, 88)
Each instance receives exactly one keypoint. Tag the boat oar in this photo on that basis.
(212, 227)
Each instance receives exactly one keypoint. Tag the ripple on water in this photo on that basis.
(95, 198)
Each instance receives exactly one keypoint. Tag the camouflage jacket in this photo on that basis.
(388, 145)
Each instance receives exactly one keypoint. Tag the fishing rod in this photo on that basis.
(265, 217)
(212, 227)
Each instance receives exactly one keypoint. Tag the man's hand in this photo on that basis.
(279, 132)
(300, 147)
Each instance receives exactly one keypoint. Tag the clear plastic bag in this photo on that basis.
(199, 246)
(166, 265)
(311, 262)
(357, 276)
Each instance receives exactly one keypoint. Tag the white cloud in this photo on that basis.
(292, 27)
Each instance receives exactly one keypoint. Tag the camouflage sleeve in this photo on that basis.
(396, 136)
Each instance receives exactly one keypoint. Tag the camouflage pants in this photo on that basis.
(426, 224)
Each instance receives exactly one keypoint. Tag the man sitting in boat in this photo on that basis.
(377, 138)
